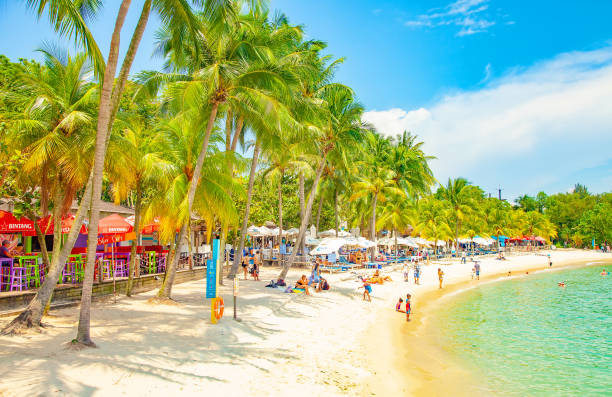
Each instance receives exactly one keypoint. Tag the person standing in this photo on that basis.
(549, 261)
(477, 270)
(408, 307)
(440, 276)
(406, 271)
(463, 257)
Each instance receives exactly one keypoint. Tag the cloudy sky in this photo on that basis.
(508, 93)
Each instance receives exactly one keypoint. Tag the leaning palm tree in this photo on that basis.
(54, 132)
(338, 127)
(135, 164)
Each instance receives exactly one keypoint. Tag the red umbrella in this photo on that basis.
(114, 224)
(46, 225)
(10, 224)
(149, 228)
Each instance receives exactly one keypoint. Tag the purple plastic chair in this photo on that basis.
(120, 268)
(161, 263)
(19, 277)
(6, 266)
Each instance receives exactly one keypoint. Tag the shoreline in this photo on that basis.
(330, 343)
(418, 362)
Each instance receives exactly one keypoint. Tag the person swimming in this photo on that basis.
(561, 284)
(604, 273)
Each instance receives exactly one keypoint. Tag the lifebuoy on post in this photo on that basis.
(217, 307)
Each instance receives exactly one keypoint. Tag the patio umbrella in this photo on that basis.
(10, 224)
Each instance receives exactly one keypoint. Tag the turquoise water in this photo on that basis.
(529, 337)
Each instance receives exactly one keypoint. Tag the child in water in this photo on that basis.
(408, 307)
(398, 306)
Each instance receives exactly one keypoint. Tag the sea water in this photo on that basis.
(527, 336)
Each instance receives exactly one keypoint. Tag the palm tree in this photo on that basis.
(55, 133)
(376, 179)
(339, 125)
(459, 197)
(433, 220)
(135, 164)
(397, 214)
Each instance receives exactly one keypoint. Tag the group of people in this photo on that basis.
(315, 281)
(416, 272)
(250, 264)
(398, 306)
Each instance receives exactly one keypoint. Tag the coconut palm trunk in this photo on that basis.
(31, 316)
(280, 208)
(134, 251)
(373, 226)
(166, 288)
(304, 223)
(165, 291)
(319, 211)
(104, 116)
(336, 209)
(41, 239)
(395, 234)
(300, 242)
(247, 210)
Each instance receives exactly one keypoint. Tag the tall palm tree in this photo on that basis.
(460, 200)
(398, 214)
(433, 220)
(55, 132)
(376, 179)
(338, 126)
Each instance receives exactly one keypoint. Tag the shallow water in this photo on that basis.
(529, 337)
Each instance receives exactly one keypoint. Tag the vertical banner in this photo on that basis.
(211, 271)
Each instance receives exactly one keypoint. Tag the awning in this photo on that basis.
(10, 224)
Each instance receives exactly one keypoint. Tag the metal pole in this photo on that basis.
(235, 293)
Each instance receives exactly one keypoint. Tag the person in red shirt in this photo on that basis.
(408, 307)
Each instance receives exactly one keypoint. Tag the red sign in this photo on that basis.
(115, 238)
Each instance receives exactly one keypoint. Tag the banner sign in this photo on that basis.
(211, 271)
(115, 238)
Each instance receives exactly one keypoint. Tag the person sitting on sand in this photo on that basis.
(398, 306)
(323, 285)
(378, 279)
(367, 289)
(440, 276)
(408, 307)
(302, 283)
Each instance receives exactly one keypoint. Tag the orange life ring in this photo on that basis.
(218, 308)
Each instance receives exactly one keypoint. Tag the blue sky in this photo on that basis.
(510, 93)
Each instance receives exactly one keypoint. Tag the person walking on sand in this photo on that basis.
(408, 307)
(440, 276)
(477, 270)
(417, 274)
(549, 261)
(406, 270)
(367, 289)
(462, 256)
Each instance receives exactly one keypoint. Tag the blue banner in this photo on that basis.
(211, 271)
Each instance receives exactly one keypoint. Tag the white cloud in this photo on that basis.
(469, 15)
(533, 128)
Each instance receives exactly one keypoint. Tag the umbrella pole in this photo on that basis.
(113, 270)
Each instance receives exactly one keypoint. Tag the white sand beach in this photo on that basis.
(329, 343)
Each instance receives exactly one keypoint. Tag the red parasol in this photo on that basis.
(149, 228)
(114, 224)
(10, 224)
